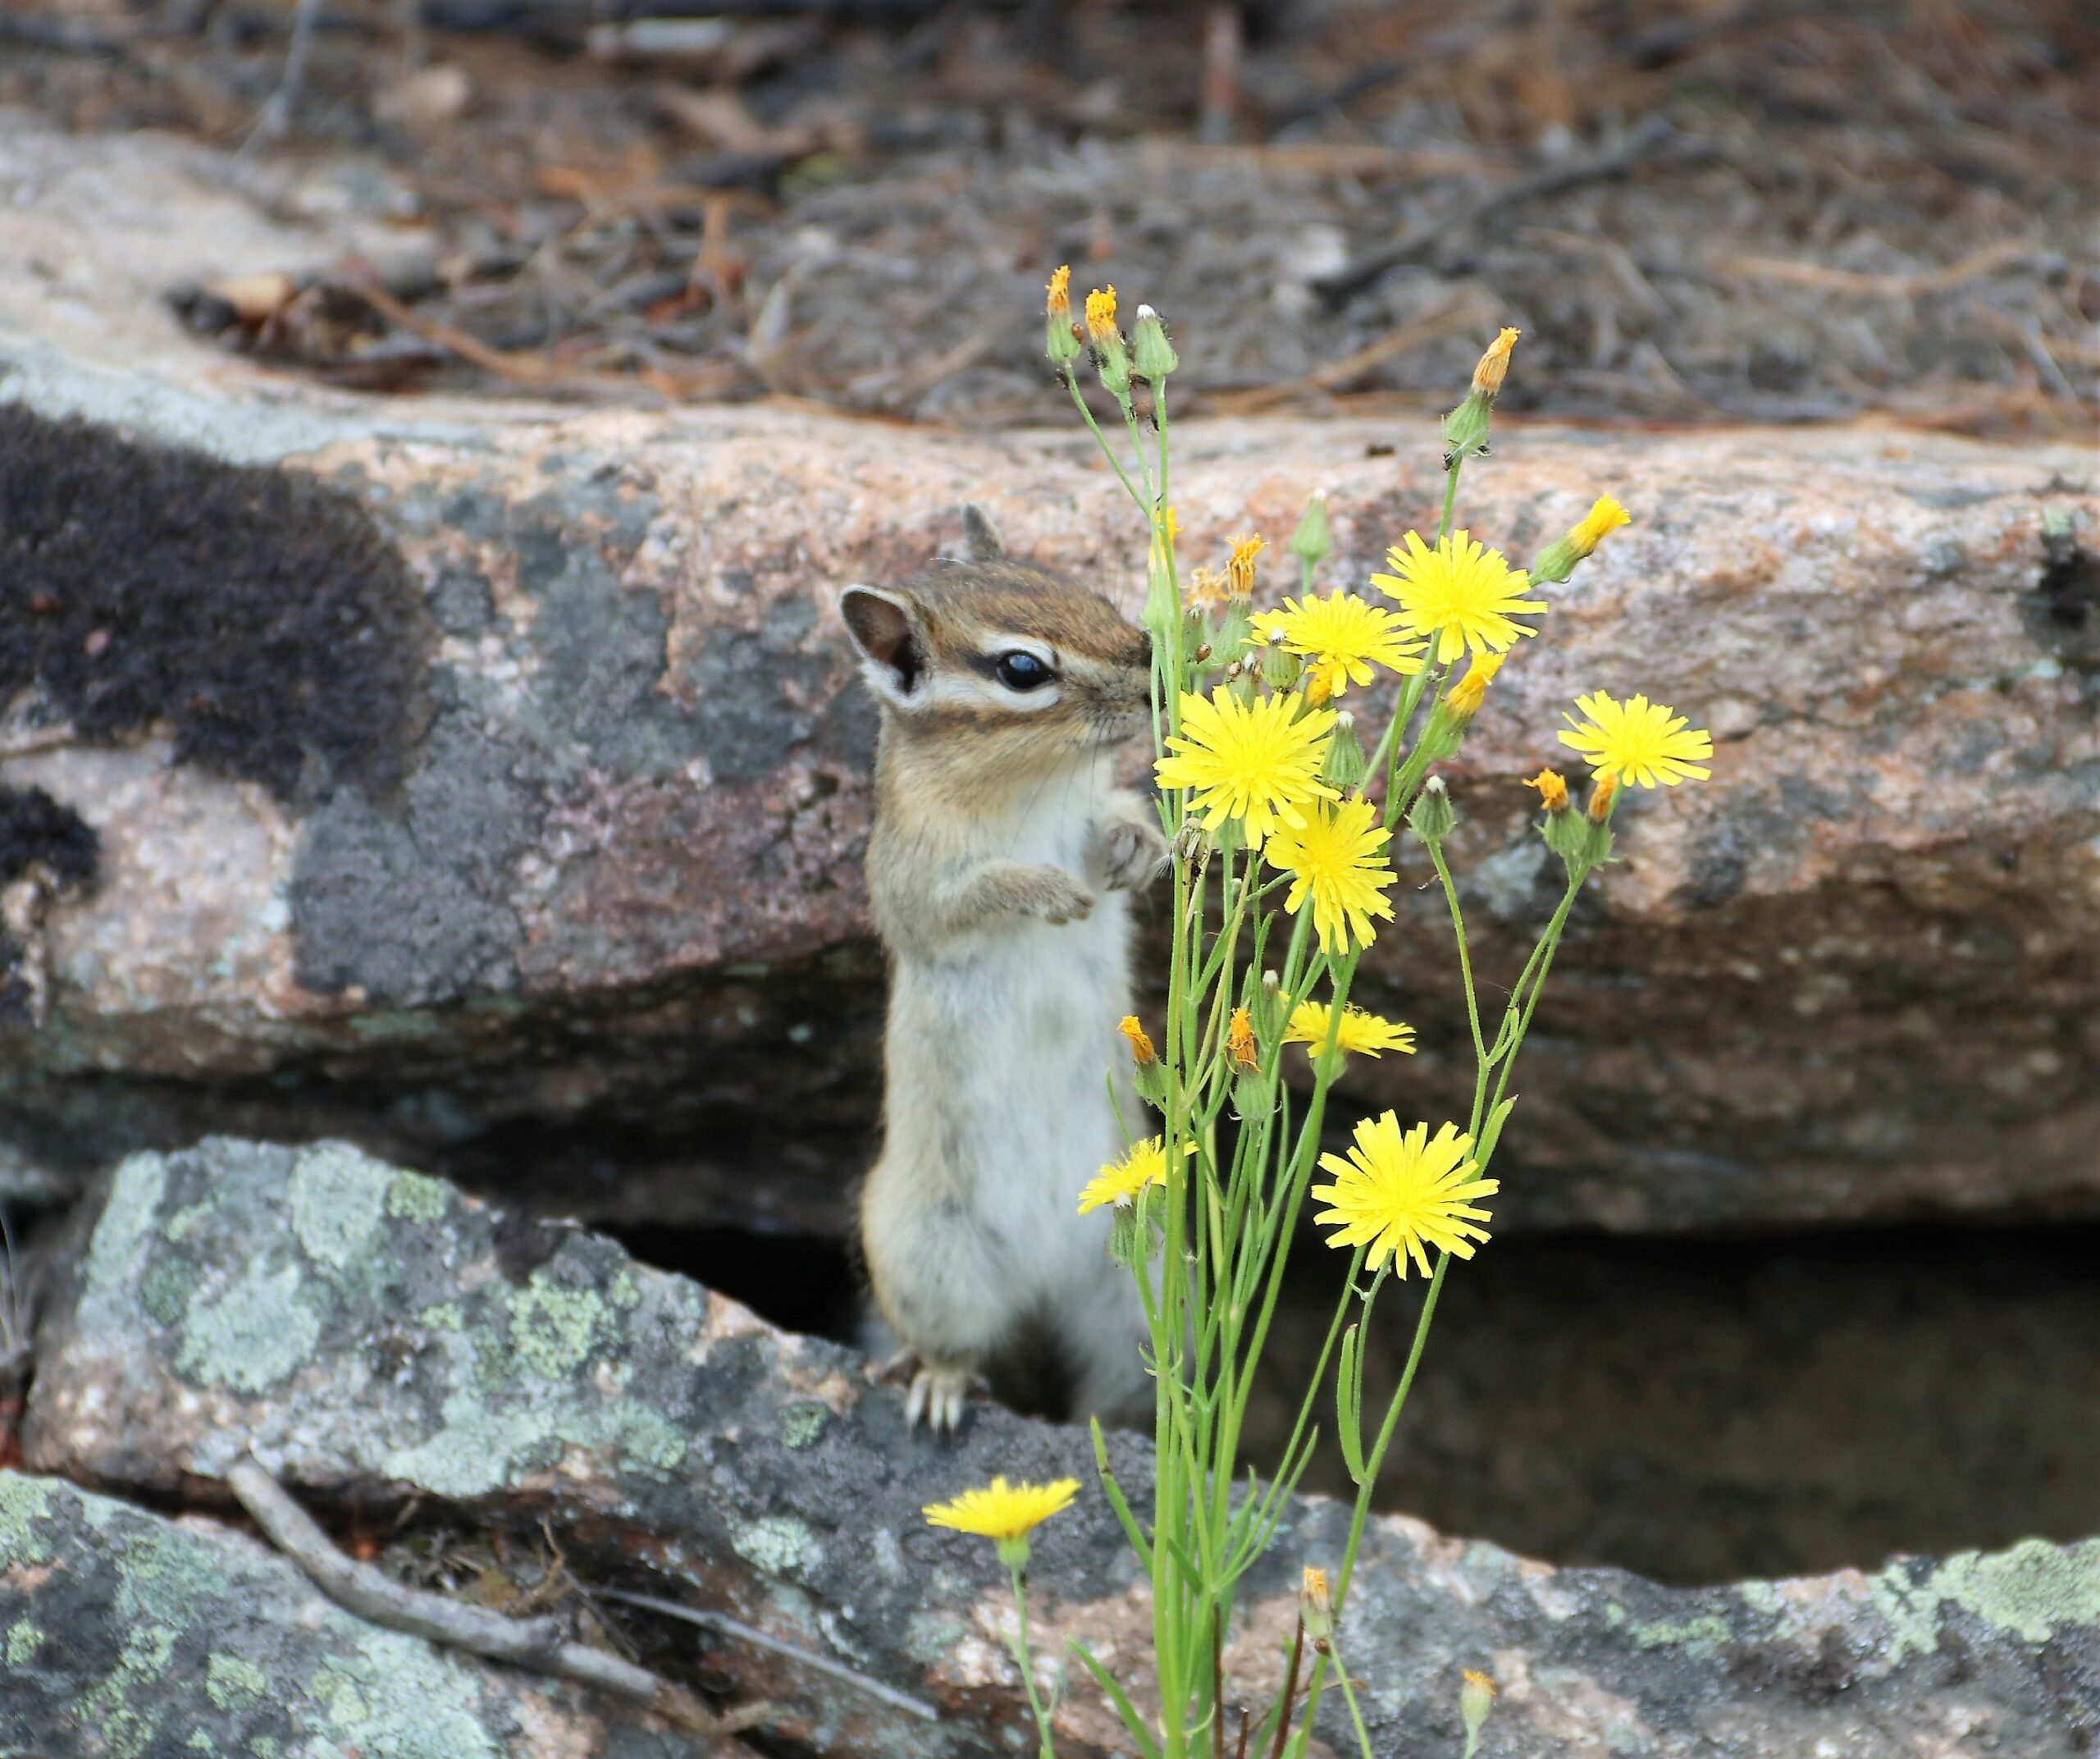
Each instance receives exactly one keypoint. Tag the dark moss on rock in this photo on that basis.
(258, 613)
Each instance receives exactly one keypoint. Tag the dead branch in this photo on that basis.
(723, 1625)
(534, 1643)
(1337, 375)
(1614, 162)
(1971, 267)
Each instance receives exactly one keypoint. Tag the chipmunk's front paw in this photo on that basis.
(1054, 895)
(1132, 853)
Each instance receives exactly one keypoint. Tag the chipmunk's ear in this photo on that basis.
(981, 541)
(886, 628)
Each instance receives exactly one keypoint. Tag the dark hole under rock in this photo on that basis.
(1698, 1411)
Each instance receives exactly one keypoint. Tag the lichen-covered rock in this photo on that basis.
(489, 783)
(127, 1635)
(372, 1333)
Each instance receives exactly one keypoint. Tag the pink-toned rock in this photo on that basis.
(488, 782)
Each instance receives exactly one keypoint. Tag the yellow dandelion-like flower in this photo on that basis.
(1603, 518)
(1141, 1045)
(1362, 1034)
(1461, 593)
(1396, 1193)
(1239, 566)
(1553, 789)
(1059, 304)
(1120, 1180)
(1465, 697)
(1240, 1040)
(1003, 1511)
(1495, 364)
(1336, 858)
(1637, 741)
(1101, 313)
(1343, 635)
(1258, 762)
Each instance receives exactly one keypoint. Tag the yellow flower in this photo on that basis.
(1100, 314)
(1120, 1181)
(1059, 305)
(1240, 1040)
(1482, 1681)
(1336, 858)
(1553, 789)
(1637, 741)
(1141, 1044)
(1495, 364)
(1343, 636)
(1465, 697)
(1363, 1034)
(1257, 761)
(1003, 1511)
(1604, 517)
(1602, 794)
(1239, 566)
(1397, 1193)
(1461, 592)
(1316, 1606)
(1326, 681)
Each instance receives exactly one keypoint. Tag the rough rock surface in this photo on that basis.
(127, 1635)
(372, 1333)
(489, 782)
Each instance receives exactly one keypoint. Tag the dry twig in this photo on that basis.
(535, 1644)
(1971, 267)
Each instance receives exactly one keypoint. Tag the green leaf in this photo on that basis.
(1492, 1131)
(1348, 1399)
(1117, 1501)
(1133, 1723)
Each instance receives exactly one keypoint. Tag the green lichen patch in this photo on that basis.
(165, 1292)
(231, 1681)
(254, 1336)
(416, 1197)
(802, 1422)
(126, 1222)
(554, 1329)
(443, 1316)
(24, 1640)
(483, 1446)
(2030, 1593)
(24, 1505)
(338, 1195)
(778, 1544)
(395, 1696)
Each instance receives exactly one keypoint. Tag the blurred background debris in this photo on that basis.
(1698, 211)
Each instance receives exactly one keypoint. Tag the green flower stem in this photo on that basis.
(1450, 497)
(1107, 451)
(1348, 1692)
(1027, 1672)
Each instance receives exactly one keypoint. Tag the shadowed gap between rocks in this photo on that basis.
(1698, 1411)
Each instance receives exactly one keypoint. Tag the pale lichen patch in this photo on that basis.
(254, 1335)
(417, 1197)
(338, 1195)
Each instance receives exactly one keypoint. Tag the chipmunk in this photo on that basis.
(1000, 852)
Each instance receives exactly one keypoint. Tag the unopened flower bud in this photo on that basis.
(1553, 789)
(1280, 668)
(1312, 540)
(1152, 354)
(1476, 1699)
(1110, 355)
(1465, 698)
(1604, 793)
(1495, 364)
(1142, 1051)
(1239, 1042)
(1059, 342)
(1316, 1607)
(1239, 566)
(1270, 1007)
(1235, 629)
(1432, 818)
(1191, 844)
(1556, 561)
(1346, 765)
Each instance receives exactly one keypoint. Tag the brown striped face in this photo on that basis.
(1010, 656)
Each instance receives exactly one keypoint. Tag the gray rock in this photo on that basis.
(371, 1333)
(127, 1635)
(489, 781)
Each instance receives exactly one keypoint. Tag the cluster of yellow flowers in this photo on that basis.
(1259, 762)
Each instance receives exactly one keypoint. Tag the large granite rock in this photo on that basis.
(126, 1635)
(487, 781)
(373, 1335)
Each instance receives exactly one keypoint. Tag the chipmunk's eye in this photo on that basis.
(1023, 671)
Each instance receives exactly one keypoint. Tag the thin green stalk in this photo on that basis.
(1115, 463)
(1348, 1692)
(1027, 1672)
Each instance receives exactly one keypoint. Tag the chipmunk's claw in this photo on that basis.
(938, 1397)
